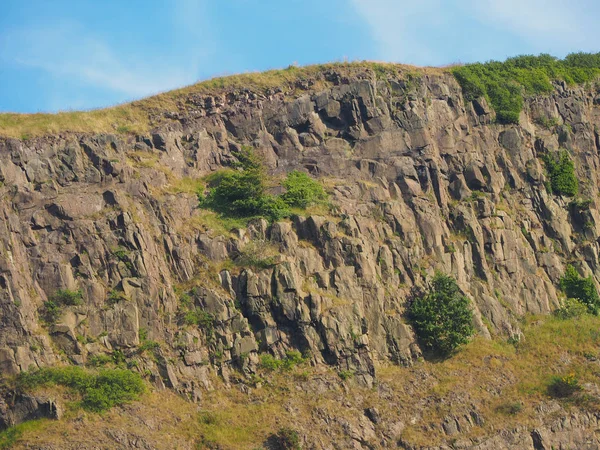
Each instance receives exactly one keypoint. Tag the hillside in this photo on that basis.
(166, 240)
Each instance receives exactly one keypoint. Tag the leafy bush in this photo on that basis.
(561, 172)
(562, 387)
(504, 84)
(286, 439)
(441, 315)
(582, 289)
(302, 190)
(571, 308)
(242, 192)
(99, 390)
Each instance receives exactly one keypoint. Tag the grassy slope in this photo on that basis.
(135, 117)
(494, 375)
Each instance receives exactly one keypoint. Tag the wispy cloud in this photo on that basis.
(393, 23)
(410, 31)
(68, 51)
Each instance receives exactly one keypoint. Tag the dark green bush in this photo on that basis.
(562, 387)
(582, 289)
(561, 172)
(286, 439)
(504, 84)
(99, 390)
(441, 315)
(302, 190)
(242, 192)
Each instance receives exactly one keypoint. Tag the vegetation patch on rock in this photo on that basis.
(99, 391)
(504, 84)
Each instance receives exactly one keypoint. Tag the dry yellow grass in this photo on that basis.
(135, 117)
(505, 382)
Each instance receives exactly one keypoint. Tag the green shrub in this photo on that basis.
(441, 315)
(302, 190)
(286, 439)
(562, 387)
(504, 84)
(148, 345)
(561, 172)
(99, 390)
(346, 374)
(111, 388)
(99, 360)
(242, 192)
(571, 308)
(269, 362)
(582, 289)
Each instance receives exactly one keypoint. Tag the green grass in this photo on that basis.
(505, 84)
(12, 435)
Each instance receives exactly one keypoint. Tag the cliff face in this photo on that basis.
(419, 181)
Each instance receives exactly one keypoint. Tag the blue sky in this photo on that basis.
(79, 54)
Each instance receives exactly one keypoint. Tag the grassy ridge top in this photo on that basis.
(136, 117)
(504, 84)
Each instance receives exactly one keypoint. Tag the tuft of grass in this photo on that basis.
(53, 307)
(292, 359)
(11, 436)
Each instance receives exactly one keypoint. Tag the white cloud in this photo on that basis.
(68, 51)
(416, 32)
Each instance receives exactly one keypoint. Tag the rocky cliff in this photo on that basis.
(419, 180)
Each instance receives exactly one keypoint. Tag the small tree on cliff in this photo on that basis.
(441, 315)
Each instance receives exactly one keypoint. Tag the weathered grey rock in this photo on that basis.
(105, 214)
